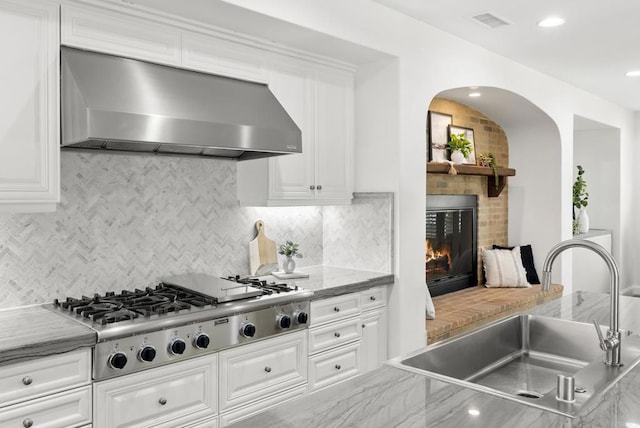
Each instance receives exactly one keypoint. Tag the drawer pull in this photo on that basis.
(337, 309)
(27, 380)
(373, 298)
(338, 367)
(312, 187)
(27, 423)
(336, 334)
(319, 187)
(364, 325)
(267, 369)
(162, 401)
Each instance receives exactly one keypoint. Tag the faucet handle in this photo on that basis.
(605, 344)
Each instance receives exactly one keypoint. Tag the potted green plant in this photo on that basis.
(460, 147)
(289, 250)
(580, 201)
(489, 160)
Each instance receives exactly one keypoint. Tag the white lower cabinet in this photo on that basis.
(166, 397)
(256, 371)
(347, 336)
(63, 410)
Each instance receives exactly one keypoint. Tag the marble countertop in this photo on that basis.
(34, 331)
(390, 397)
(327, 281)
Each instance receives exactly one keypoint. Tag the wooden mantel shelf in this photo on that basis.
(463, 169)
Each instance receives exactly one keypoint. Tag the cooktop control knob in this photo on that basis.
(177, 346)
(147, 353)
(284, 321)
(117, 360)
(301, 317)
(201, 341)
(248, 329)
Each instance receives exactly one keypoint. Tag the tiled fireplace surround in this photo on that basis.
(462, 310)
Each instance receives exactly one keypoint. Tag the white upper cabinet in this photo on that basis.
(216, 56)
(320, 100)
(29, 130)
(118, 34)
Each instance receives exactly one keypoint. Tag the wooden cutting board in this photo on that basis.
(262, 253)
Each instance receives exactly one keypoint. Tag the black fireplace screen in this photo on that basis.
(450, 245)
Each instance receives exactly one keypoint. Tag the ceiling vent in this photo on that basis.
(490, 20)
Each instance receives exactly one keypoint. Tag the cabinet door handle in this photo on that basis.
(162, 401)
(373, 298)
(319, 186)
(364, 325)
(336, 334)
(338, 367)
(27, 423)
(337, 309)
(267, 369)
(27, 380)
(312, 187)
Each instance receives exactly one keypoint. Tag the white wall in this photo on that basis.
(428, 64)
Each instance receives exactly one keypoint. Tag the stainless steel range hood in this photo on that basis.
(114, 103)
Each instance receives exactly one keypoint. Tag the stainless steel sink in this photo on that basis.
(520, 357)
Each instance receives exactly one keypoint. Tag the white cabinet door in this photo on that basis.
(170, 396)
(67, 409)
(118, 34)
(334, 143)
(374, 338)
(292, 176)
(255, 371)
(29, 136)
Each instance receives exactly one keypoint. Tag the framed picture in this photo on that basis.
(437, 124)
(468, 134)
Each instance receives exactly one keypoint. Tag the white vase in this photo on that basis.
(457, 157)
(583, 221)
(289, 265)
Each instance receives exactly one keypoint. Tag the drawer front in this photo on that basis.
(372, 298)
(63, 410)
(252, 372)
(334, 308)
(245, 412)
(330, 367)
(35, 378)
(169, 396)
(334, 334)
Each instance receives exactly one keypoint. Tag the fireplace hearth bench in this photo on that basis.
(472, 307)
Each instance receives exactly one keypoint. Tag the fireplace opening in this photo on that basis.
(451, 243)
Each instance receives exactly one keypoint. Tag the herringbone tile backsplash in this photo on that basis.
(125, 220)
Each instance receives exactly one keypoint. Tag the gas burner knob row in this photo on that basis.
(117, 360)
(248, 329)
(201, 341)
(147, 353)
(283, 321)
(177, 346)
(301, 317)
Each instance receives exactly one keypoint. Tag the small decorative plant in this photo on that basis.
(460, 142)
(580, 195)
(290, 249)
(489, 160)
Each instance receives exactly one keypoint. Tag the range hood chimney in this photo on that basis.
(113, 103)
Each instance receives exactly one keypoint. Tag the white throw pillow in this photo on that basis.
(503, 268)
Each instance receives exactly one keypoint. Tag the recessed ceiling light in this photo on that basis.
(552, 21)
(474, 94)
(633, 73)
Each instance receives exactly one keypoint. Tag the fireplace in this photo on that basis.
(451, 250)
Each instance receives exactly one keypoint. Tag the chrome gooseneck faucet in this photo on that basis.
(610, 344)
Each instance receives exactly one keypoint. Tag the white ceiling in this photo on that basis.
(598, 44)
